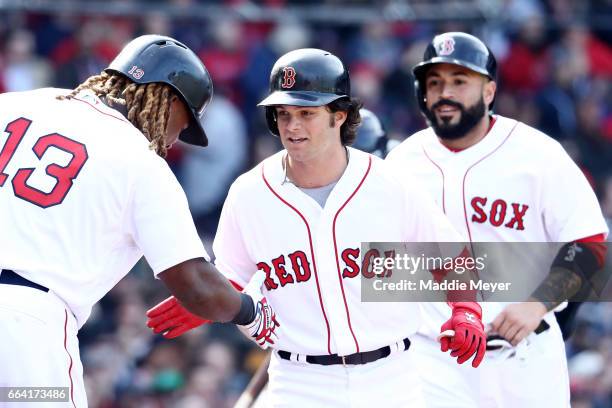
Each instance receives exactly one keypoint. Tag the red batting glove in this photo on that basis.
(171, 318)
(468, 338)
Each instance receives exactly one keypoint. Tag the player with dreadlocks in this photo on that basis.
(83, 198)
(147, 105)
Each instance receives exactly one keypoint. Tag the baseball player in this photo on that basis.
(371, 138)
(300, 216)
(499, 180)
(84, 194)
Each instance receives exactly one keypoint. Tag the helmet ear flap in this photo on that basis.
(271, 120)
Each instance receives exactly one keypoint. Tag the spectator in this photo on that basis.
(595, 148)
(208, 173)
(530, 53)
(77, 57)
(23, 69)
(225, 57)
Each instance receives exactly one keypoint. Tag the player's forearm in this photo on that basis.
(463, 274)
(202, 290)
(214, 300)
(560, 284)
(569, 275)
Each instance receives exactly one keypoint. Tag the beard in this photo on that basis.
(467, 121)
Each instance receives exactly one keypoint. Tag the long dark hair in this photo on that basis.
(348, 130)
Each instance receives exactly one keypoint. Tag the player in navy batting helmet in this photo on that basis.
(312, 77)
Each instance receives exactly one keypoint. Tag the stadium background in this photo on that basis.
(555, 59)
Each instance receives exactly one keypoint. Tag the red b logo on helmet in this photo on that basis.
(447, 46)
(288, 78)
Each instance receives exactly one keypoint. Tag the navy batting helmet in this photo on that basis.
(454, 48)
(305, 77)
(371, 135)
(156, 58)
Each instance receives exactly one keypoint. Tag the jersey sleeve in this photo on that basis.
(232, 258)
(159, 219)
(570, 208)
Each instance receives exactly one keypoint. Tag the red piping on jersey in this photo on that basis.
(348, 315)
(314, 263)
(467, 224)
(443, 186)
(69, 356)
(104, 113)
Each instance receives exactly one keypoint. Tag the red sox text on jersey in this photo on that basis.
(295, 266)
(498, 212)
(312, 255)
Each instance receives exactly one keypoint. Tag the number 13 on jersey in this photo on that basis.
(64, 176)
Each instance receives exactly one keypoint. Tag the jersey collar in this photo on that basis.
(89, 97)
(358, 166)
(498, 132)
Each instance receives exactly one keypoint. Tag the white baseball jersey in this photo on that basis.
(311, 255)
(82, 198)
(515, 185)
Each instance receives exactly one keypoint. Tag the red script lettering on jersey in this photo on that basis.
(498, 212)
(295, 267)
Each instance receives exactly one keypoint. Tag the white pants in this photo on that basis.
(534, 378)
(388, 382)
(39, 346)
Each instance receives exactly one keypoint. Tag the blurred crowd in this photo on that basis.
(554, 74)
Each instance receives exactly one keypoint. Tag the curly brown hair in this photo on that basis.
(148, 105)
(348, 130)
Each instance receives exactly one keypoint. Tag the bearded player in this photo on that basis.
(499, 180)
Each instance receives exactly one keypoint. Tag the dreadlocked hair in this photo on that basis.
(148, 105)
